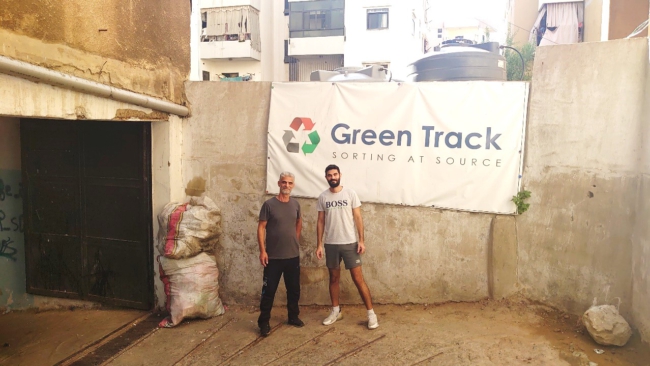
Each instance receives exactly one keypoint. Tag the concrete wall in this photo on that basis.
(593, 20)
(27, 99)
(415, 255)
(137, 45)
(582, 167)
(641, 236)
(523, 15)
(12, 250)
(585, 236)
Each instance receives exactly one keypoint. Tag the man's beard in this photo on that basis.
(334, 183)
(285, 191)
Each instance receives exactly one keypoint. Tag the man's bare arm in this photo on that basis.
(261, 238)
(298, 228)
(320, 229)
(358, 222)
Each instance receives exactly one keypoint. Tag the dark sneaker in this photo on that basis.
(265, 329)
(296, 322)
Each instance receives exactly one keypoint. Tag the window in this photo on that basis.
(206, 76)
(378, 18)
(230, 74)
(204, 20)
(321, 18)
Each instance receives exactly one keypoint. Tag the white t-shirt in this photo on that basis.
(339, 221)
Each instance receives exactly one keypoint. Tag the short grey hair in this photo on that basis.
(287, 174)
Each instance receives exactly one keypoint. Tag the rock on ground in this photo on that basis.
(606, 326)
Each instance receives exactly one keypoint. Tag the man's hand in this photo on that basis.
(264, 259)
(361, 247)
(319, 252)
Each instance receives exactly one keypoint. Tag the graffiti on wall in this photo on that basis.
(11, 221)
(12, 242)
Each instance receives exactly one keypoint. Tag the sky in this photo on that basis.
(490, 11)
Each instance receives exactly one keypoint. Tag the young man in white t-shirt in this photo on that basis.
(339, 213)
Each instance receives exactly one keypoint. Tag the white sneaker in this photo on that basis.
(333, 317)
(372, 321)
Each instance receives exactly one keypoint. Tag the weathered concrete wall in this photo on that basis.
(142, 46)
(641, 236)
(415, 255)
(582, 167)
(585, 236)
(593, 20)
(26, 99)
(22, 98)
(13, 293)
(12, 250)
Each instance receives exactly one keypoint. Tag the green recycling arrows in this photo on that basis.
(314, 139)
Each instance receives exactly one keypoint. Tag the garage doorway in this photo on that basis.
(88, 220)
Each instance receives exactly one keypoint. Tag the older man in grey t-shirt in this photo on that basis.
(277, 235)
(338, 214)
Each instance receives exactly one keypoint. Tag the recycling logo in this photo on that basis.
(289, 137)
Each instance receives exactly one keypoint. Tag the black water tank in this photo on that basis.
(460, 63)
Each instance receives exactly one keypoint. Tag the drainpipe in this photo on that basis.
(41, 74)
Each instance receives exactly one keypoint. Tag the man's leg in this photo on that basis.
(357, 277)
(333, 261)
(272, 274)
(292, 283)
(335, 288)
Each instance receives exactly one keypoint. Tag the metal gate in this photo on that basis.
(301, 68)
(88, 231)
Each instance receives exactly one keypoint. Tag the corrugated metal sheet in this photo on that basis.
(301, 68)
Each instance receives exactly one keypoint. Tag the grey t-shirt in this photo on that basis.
(281, 217)
(339, 221)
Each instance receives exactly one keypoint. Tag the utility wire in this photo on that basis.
(530, 31)
(638, 29)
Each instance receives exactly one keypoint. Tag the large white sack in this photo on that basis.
(192, 288)
(187, 229)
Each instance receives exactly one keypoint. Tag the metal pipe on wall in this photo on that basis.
(41, 74)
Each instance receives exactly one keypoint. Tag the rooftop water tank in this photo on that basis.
(460, 62)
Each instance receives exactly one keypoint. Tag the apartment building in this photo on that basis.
(594, 20)
(474, 30)
(285, 40)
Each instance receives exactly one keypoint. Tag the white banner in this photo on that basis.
(456, 145)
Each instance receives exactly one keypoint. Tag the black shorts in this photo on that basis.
(348, 252)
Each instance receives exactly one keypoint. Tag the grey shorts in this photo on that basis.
(348, 252)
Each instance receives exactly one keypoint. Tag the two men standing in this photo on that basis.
(280, 224)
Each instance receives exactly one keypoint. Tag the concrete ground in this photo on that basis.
(510, 332)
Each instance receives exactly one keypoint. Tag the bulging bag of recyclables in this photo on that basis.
(187, 229)
(192, 288)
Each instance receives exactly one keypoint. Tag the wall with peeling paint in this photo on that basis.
(587, 118)
(27, 99)
(585, 236)
(418, 255)
(136, 45)
(12, 240)
(641, 236)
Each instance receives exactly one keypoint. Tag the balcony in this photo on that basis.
(311, 46)
(229, 49)
(224, 3)
(231, 32)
